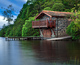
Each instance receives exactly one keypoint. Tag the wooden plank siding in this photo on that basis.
(43, 24)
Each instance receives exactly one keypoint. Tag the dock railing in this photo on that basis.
(43, 23)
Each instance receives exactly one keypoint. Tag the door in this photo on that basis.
(47, 33)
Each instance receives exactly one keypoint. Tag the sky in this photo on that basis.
(17, 5)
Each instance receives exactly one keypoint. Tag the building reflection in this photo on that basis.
(51, 51)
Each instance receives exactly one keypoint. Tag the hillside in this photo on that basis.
(23, 24)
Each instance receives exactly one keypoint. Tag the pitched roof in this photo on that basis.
(53, 13)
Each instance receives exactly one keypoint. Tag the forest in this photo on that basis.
(22, 26)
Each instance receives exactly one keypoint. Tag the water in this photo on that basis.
(39, 52)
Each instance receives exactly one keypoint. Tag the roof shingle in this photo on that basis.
(54, 13)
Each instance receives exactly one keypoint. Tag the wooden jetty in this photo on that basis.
(22, 38)
(59, 38)
(36, 38)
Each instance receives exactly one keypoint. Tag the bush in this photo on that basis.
(27, 29)
(74, 28)
(58, 7)
(47, 8)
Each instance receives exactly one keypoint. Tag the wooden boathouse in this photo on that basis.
(52, 23)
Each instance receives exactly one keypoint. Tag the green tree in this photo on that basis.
(3, 31)
(27, 29)
(17, 28)
(9, 28)
(8, 13)
(74, 28)
(58, 7)
(47, 8)
(72, 4)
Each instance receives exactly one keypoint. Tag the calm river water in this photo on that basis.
(39, 52)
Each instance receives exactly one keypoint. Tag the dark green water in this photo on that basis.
(39, 52)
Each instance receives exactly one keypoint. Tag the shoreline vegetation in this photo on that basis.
(22, 26)
(74, 28)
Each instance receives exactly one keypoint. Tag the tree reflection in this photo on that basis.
(51, 51)
(64, 52)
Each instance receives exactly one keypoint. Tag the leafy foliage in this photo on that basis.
(8, 30)
(2, 32)
(17, 28)
(72, 4)
(47, 8)
(8, 13)
(27, 29)
(58, 7)
(74, 28)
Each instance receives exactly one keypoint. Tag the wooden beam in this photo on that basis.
(57, 26)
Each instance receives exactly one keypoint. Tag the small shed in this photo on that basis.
(52, 23)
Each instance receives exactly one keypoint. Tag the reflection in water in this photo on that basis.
(51, 51)
(39, 52)
(58, 51)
